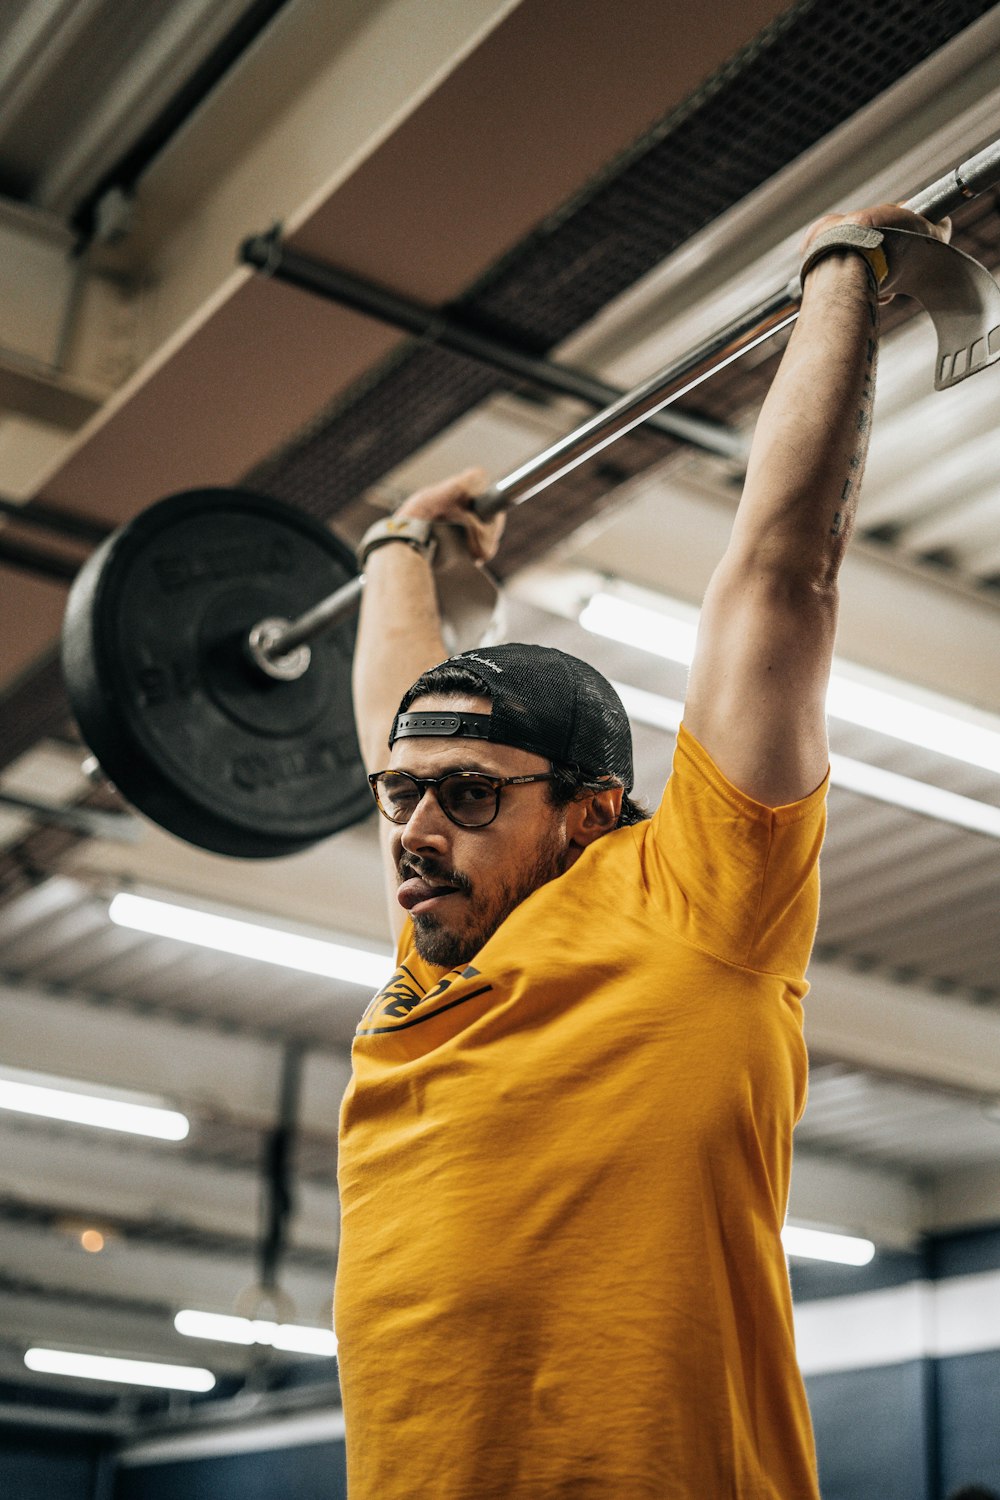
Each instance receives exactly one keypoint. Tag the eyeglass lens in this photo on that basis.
(470, 800)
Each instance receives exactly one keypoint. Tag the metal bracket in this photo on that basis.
(469, 597)
(960, 295)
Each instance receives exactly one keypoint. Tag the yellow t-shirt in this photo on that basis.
(564, 1172)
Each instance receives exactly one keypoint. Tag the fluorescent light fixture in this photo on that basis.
(299, 1340)
(271, 945)
(917, 724)
(653, 709)
(638, 625)
(86, 1104)
(227, 1329)
(852, 775)
(818, 1244)
(120, 1371)
(917, 796)
(222, 1327)
(926, 720)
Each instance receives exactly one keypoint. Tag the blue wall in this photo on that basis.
(315, 1471)
(969, 1420)
(42, 1467)
(914, 1431)
(870, 1433)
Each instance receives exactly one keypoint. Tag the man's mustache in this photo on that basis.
(412, 866)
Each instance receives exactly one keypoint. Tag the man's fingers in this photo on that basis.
(452, 500)
(483, 536)
(882, 216)
(458, 489)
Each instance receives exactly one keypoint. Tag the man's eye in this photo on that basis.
(399, 796)
(468, 793)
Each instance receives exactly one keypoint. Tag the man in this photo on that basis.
(566, 1148)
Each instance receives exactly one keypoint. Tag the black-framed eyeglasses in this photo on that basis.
(469, 799)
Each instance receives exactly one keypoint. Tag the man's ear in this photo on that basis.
(592, 814)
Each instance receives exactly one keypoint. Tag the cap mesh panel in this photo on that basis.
(554, 705)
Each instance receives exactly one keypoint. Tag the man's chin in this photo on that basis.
(440, 946)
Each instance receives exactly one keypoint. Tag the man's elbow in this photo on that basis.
(802, 583)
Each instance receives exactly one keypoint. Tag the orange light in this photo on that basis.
(92, 1240)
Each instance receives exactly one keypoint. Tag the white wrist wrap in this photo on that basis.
(868, 243)
(413, 530)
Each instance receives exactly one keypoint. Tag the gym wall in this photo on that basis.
(902, 1364)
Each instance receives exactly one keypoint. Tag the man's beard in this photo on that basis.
(448, 949)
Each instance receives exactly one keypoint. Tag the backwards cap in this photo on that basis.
(543, 700)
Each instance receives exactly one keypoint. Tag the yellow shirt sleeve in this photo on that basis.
(740, 880)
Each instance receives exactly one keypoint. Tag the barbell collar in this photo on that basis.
(269, 651)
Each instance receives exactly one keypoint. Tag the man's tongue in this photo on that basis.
(411, 892)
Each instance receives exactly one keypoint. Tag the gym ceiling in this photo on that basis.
(601, 185)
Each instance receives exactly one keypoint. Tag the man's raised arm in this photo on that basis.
(399, 630)
(756, 695)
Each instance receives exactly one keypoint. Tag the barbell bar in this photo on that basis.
(768, 317)
(257, 757)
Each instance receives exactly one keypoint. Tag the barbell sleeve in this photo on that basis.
(761, 322)
(322, 616)
(973, 177)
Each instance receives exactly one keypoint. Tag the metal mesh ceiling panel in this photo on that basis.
(803, 76)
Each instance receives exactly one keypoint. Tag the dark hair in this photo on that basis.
(973, 1492)
(448, 678)
(451, 679)
(571, 779)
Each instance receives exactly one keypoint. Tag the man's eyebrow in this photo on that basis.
(449, 770)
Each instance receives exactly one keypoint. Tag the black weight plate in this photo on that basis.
(192, 733)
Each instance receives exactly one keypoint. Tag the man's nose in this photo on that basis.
(427, 826)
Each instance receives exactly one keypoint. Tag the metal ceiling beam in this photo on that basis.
(904, 1031)
(877, 1202)
(189, 53)
(36, 561)
(171, 1192)
(448, 328)
(44, 394)
(146, 1273)
(862, 1019)
(45, 32)
(203, 1068)
(969, 1197)
(50, 518)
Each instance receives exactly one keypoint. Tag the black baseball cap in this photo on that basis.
(543, 700)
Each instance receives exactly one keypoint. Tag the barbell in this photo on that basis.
(224, 713)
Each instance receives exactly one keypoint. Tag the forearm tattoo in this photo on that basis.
(856, 462)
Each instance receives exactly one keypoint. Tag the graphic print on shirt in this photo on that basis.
(390, 1009)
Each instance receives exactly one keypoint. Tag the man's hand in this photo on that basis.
(882, 216)
(452, 501)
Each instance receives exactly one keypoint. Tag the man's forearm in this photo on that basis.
(757, 686)
(811, 441)
(399, 636)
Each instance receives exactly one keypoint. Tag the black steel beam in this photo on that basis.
(267, 254)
